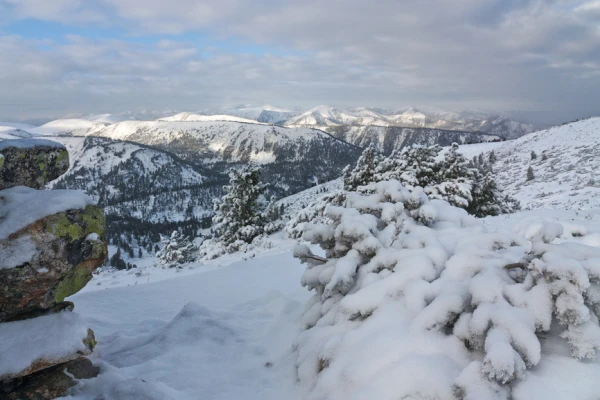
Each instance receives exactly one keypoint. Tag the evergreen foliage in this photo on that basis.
(530, 175)
(364, 171)
(462, 183)
(242, 213)
(177, 249)
(493, 295)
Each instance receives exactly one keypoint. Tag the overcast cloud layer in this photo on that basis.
(535, 59)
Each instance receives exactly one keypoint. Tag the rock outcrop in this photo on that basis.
(50, 243)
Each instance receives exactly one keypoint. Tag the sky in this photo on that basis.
(536, 60)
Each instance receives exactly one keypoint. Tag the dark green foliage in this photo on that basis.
(240, 213)
(530, 175)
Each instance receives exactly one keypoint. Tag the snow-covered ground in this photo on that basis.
(565, 167)
(225, 329)
(210, 331)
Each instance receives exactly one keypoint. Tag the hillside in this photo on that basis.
(386, 139)
(292, 159)
(144, 192)
(71, 127)
(192, 117)
(327, 117)
(565, 168)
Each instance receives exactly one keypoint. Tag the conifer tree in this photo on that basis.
(176, 249)
(492, 158)
(364, 171)
(530, 175)
(241, 212)
(533, 155)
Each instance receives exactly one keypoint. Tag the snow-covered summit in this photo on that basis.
(192, 117)
(73, 126)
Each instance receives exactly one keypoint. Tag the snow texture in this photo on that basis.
(29, 143)
(21, 206)
(416, 299)
(50, 337)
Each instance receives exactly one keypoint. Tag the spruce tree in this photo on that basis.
(176, 249)
(533, 155)
(530, 175)
(240, 213)
(364, 171)
(492, 158)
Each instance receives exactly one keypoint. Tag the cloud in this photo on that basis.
(511, 55)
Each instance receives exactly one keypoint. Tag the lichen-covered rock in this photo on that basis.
(31, 162)
(49, 260)
(49, 383)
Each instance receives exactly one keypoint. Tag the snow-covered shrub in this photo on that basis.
(177, 249)
(416, 299)
(364, 171)
(313, 213)
(469, 185)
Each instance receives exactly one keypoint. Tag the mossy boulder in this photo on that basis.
(31, 163)
(49, 260)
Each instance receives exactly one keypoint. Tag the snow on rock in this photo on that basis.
(29, 143)
(48, 339)
(17, 252)
(21, 206)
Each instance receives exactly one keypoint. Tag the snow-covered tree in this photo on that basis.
(242, 214)
(176, 249)
(414, 298)
(533, 155)
(364, 171)
(492, 157)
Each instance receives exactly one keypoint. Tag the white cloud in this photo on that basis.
(502, 54)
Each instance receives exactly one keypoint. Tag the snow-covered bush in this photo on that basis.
(469, 185)
(364, 171)
(177, 249)
(416, 299)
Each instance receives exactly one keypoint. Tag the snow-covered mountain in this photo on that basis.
(262, 113)
(145, 192)
(565, 168)
(326, 117)
(192, 117)
(292, 158)
(69, 127)
(389, 138)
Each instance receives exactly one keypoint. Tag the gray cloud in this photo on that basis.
(531, 57)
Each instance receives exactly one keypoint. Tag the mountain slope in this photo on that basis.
(70, 127)
(191, 117)
(326, 117)
(565, 168)
(292, 159)
(144, 192)
(390, 138)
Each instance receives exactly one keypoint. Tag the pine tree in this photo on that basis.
(544, 156)
(241, 212)
(530, 175)
(533, 155)
(492, 158)
(364, 171)
(176, 249)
